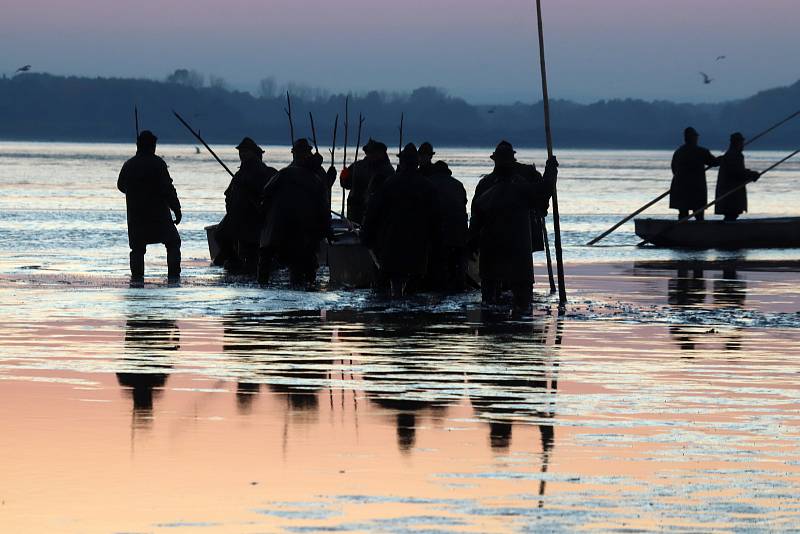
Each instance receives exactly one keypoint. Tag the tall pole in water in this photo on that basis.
(136, 119)
(562, 291)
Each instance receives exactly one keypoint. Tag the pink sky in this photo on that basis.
(481, 50)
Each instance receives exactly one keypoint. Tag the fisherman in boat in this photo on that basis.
(359, 176)
(239, 231)
(448, 262)
(500, 227)
(689, 191)
(732, 174)
(150, 196)
(297, 218)
(402, 224)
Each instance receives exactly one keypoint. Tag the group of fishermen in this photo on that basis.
(413, 219)
(689, 192)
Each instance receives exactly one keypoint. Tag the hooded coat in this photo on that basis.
(733, 173)
(451, 198)
(297, 212)
(689, 190)
(402, 224)
(500, 226)
(243, 216)
(149, 197)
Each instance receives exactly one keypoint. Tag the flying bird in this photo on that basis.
(26, 68)
(706, 79)
(719, 58)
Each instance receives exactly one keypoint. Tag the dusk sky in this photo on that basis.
(483, 51)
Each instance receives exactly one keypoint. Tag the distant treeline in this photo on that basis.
(46, 107)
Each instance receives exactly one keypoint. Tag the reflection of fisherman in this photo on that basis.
(500, 227)
(145, 341)
(732, 174)
(149, 196)
(297, 218)
(359, 177)
(447, 267)
(238, 233)
(401, 243)
(689, 191)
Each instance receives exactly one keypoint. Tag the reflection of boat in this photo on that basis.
(783, 232)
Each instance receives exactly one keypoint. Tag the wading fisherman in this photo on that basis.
(150, 196)
(401, 225)
(733, 173)
(448, 262)
(689, 191)
(359, 178)
(297, 218)
(500, 227)
(238, 232)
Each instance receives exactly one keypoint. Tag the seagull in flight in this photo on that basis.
(706, 79)
(25, 68)
(719, 58)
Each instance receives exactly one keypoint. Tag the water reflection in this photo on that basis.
(147, 341)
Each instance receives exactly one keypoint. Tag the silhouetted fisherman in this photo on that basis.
(689, 191)
(733, 173)
(149, 196)
(401, 225)
(500, 227)
(359, 178)
(297, 218)
(448, 263)
(239, 231)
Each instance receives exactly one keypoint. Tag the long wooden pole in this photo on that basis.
(402, 120)
(136, 119)
(668, 191)
(358, 139)
(288, 111)
(197, 136)
(727, 194)
(313, 132)
(546, 242)
(333, 147)
(562, 290)
(346, 128)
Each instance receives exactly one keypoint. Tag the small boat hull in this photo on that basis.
(781, 232)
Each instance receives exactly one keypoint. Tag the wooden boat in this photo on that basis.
(783, 232)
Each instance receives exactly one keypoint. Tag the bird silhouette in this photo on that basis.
(719, 58)
(25, 68)
(491, 111)
(706, 79)
(197, 150)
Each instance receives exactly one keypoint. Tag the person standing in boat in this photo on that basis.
(448, 262)
(401, 225)
(358, 178)
(732, 174)
(297, 218)
(689, 191)
(500, 227)
(238, 232)
(150, 196)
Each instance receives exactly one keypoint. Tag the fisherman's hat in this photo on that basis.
(426, 148)
(372, 146)
(737, 136)
(146, 137)
(504, 152)
(409, 152)
(301, 146)
(248, 144)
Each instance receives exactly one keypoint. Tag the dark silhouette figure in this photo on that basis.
(297, 218)
(732, 174)
(500, 228)
(689, 191)
(359, 178)
(401, 225)
(239, 231)
(448, 261)
(149, 196)
(147, 340)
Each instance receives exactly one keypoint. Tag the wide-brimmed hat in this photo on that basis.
(146, 137)
(301, 146)
(409, 152)
(690, 132)
(426, 148)
(504, 152)
(248, 144)
(737, 136)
